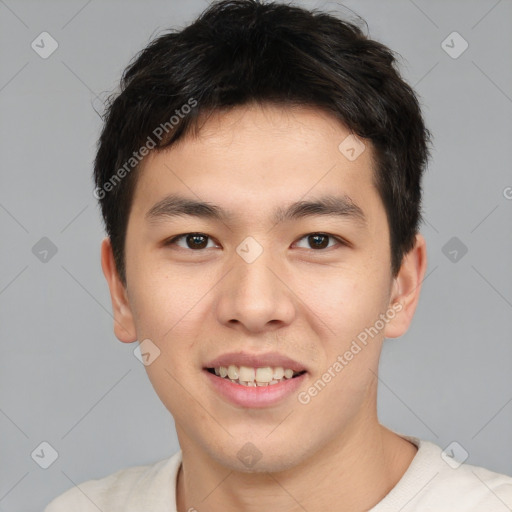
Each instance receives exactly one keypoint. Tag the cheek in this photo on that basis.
(348, 307)
(163, 302)
(346, 302)
(166, 310)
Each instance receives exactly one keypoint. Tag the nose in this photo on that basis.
(255, 296)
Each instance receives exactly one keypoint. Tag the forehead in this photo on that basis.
(256, 158)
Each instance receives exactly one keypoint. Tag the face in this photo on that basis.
(250, 288)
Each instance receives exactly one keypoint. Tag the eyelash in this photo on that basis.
(172, 241)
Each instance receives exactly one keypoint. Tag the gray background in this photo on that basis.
(64, 377)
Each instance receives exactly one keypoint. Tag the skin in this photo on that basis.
(303, 302)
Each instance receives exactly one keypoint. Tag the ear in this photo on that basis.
(124, 326)
(406, 289)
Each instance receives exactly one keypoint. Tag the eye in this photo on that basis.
(320, 240)
(197, 241)
(193, 241)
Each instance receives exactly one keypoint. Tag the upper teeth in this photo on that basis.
(254, 376)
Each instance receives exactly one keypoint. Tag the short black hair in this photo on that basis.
(239, 52)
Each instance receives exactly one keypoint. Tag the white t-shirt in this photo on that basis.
(430, 484)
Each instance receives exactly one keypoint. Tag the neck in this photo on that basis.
(354, 471)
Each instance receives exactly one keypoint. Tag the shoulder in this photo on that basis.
(471, 487)
(125, 490)
(436, 480)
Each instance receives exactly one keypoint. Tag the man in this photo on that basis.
(260, 180)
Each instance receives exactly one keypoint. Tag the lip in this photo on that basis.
(254, 396)
(271, 359)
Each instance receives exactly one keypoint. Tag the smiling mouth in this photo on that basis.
(255, 377)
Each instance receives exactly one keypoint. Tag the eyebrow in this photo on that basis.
(328, 205)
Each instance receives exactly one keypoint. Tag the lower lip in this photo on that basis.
(255, 396)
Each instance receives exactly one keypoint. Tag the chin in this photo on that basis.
(259, 456)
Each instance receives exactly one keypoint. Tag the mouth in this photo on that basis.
(250, 380)
(254, 381)
(255, 377)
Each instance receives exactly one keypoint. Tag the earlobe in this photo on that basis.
(406, 288)
(124, 326)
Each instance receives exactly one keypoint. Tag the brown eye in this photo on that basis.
(194, 241)
(320, 240)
